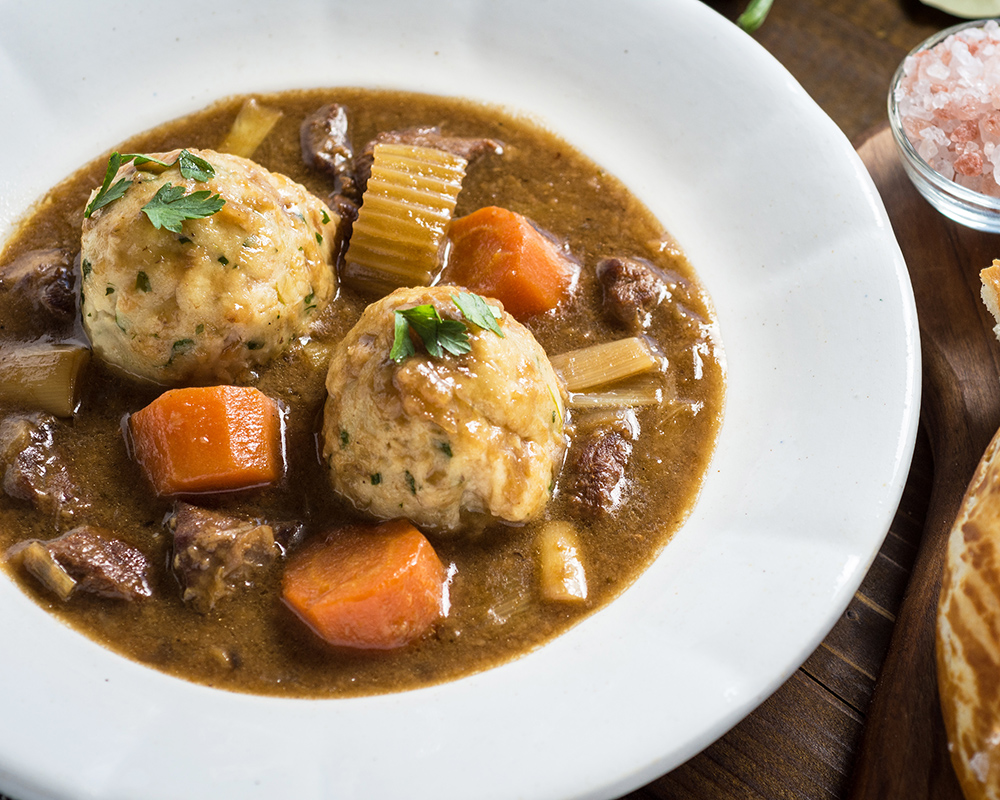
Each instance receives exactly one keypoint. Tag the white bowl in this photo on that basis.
(781, 220)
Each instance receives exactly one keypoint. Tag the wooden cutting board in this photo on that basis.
(903, 752)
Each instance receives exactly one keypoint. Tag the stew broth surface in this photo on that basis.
(251, 642)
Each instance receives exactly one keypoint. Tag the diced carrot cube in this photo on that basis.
(209, 439)
(369, 587)
(499, 254)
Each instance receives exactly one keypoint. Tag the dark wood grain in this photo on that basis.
(961, 412)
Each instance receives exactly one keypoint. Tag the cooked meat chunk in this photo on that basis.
(632, 289)
(287, 534)
(468, 148)
(227, 294)
(326, 146)
(102, 564)
(43, 280)
(215, 553)
(35, 470)
(87, 559)
(430, 438)
(599, 466)
(347, 211)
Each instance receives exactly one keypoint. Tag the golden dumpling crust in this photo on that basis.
(227, 294)
(429, 439)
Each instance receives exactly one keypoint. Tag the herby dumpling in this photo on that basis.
(201, 300)
(436, 438)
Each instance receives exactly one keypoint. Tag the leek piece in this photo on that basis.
(646, 393)
(621, 420)
(403, 221)
(39, 562)
(644, 390)
(563, 577)
(43, 376)
(252, 125)
(604, 364)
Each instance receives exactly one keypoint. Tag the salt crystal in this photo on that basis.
(937, 70)
(927, 150)
(969, 164)
(948, 100)
(989, 128)
(964, 132)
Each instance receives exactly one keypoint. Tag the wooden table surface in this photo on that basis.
(804, 741)
(821, 735)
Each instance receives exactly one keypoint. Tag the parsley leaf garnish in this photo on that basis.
(140, 159)
(108, 193)
(402, 344)
(424, 321)
(170, 206)
(453, 336)
(478, 311)
(441, 335)
(195, 168)
(437, 334)
(191, 166)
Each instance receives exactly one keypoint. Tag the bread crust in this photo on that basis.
(990, 278)
(968, 634)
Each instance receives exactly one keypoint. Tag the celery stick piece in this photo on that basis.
(40, 563)
(403, 221)
(563, 577)
(43, 375)
(252, 125)
(604, 364)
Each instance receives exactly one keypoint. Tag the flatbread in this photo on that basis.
(968, 622)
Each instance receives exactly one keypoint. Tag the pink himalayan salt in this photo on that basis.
(949, 102)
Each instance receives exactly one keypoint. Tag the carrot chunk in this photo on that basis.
(208, 439)
(498, 253)
(369, 587)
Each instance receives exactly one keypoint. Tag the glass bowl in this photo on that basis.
(966, 206)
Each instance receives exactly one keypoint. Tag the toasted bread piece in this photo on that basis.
(991, 291)
(968, 623)
(968, 633)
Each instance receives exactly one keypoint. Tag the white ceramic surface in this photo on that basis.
(782, 222)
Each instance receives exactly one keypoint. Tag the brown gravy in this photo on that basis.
(252, 643)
